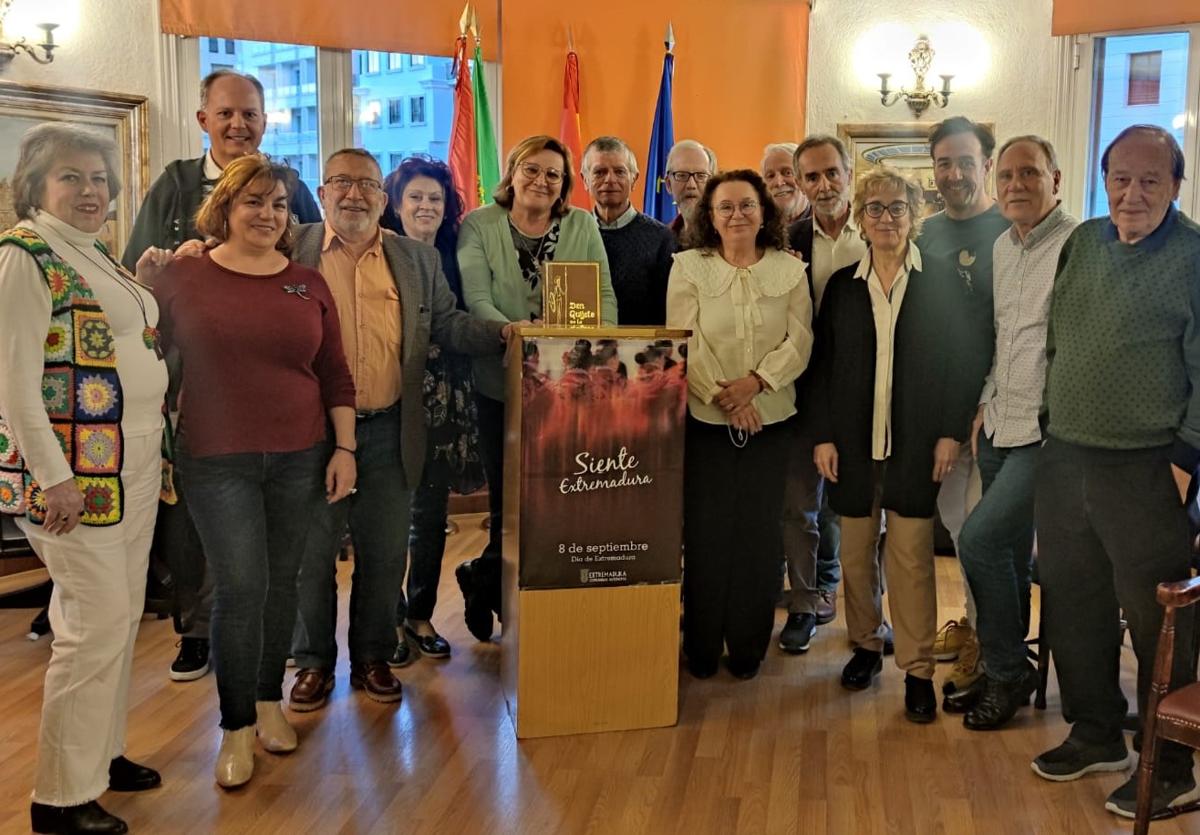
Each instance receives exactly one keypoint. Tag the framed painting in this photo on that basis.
(122, 117)
(902, 145)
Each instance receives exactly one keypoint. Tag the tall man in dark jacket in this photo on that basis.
(231, 113)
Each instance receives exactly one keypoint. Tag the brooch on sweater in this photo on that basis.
(300, 290)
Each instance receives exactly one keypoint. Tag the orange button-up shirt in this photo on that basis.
(369, 312)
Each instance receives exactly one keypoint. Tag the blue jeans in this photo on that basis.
(252, 512)
(378, 518)
(996, 550)
(829, 568)
(426, 545)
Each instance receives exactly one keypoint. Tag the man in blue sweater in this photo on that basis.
(1123, 440)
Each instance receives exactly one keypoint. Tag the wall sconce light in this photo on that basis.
(920, 96)
(8, 51)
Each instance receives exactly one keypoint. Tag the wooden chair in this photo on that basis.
(1173, 716)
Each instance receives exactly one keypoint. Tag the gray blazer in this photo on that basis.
(428, 309)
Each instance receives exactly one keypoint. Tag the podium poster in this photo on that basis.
(602, 461)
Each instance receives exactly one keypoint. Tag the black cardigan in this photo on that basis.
(934, 393)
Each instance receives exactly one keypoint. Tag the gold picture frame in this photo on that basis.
(123, 117)
(902, 145)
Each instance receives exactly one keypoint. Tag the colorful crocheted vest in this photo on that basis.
(82, 395)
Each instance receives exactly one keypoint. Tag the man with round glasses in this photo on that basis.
(689, 165)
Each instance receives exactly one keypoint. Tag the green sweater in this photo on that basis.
(1124, 340)
(494, 288)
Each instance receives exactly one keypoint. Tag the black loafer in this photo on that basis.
(920, 703)
(127, 776)
(743, 668)
(961, 701)
(434, 646)
(701, 669)
(69, 820)
(1000, 702)
(476, 610)
(863, 666)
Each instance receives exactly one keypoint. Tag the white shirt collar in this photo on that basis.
(848, 226)
(212, 171)
(912, 261)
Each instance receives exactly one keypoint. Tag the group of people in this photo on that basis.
(333, 369)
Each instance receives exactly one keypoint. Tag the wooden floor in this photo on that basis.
(790, 751)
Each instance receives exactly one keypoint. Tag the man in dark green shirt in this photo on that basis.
(1123, 439)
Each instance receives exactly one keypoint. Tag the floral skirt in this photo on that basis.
(452, 448)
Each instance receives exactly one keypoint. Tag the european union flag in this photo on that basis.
(657, 201)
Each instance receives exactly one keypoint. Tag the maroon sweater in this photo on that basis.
(261, 363)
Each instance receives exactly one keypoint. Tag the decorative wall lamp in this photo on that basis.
(920, 96)
(8, 51)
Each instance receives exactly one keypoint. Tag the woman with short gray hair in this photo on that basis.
(81, 397)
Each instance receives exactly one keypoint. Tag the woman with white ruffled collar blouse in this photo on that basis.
(747, 302)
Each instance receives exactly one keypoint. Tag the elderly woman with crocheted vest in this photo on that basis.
(747, 303)
(81, 420)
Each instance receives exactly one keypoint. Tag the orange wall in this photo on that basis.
(1077, 17)
(740, 71)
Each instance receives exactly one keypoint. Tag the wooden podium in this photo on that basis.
(593, 513)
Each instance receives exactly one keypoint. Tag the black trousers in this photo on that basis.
(1110, 528)
(733, 499)
(491, 451)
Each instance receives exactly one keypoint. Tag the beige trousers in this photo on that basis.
(99, 591)
(911, 588)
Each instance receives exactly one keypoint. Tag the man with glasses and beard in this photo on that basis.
(689, 165)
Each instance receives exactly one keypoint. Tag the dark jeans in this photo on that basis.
(829, 568)
(996, 549)
(426, 545)
(1110, 528)
(491, 450)
(252, 512)
(733, 500)
(378, 518)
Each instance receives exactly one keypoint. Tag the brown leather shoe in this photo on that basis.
(311, 689)
(376, 680)
(826, 606)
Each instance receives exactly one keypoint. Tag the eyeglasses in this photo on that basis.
(875, 209)
(532, 171)
(682, 177)
(746, 207)
(365, 184)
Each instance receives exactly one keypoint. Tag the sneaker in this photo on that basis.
(1000, 701)
(192, 661)
(798, 633)
(951, 638)
(1167, 795)
(966, 670)
(1073, 759)
(826, 606)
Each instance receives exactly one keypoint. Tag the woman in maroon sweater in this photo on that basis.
(263, 375)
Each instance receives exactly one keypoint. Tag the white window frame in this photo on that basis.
(1074, 101)
(179, 135)
(424, 110)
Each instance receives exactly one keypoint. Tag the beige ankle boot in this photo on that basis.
(235, 760)
(274, 732)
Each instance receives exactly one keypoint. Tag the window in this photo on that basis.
(395, 60)
(416, 61)
(214, 44)
(1145, 78)
(395, 159)
(416, 110)
(372, 62)
(371, 113)
(423, 126)
(290, 111)
(1139, 79)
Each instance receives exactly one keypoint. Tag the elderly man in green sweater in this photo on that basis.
(1123, 439)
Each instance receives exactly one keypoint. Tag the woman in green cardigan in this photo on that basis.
(501, 249)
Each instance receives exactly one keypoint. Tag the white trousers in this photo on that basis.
(99, 591)
(960, 492)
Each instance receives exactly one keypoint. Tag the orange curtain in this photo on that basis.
(740, 71)
(1081, 17)
(426, 27)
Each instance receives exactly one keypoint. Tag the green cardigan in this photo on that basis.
(494, 288)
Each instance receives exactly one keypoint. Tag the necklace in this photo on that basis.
(538, 252)
(127, 282)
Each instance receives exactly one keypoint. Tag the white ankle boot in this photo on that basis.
(235, 760)
(274, 732)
